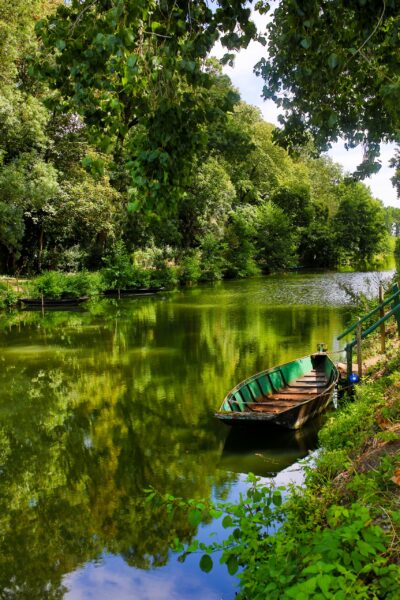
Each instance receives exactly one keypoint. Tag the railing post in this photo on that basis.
(349, 359)
(359, 350)
(394, 303)
(382, 314)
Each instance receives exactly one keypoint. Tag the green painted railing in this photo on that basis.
(369, 315)
(394, 299)
(375, 325)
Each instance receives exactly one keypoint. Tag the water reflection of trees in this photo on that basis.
(98, 405)
(76, 457)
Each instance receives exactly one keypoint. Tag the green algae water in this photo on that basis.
(100, 403)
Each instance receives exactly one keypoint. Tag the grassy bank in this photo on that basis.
(348, 516)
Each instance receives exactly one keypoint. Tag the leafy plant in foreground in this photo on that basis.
(276, 556)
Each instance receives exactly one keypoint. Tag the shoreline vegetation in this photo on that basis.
(123, 271)
(338, 536)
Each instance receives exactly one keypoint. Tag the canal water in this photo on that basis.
(100, 403)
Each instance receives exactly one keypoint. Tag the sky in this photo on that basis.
(250, 88)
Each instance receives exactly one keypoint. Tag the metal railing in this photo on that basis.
(394, 299)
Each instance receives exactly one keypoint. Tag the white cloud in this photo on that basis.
(113, 579)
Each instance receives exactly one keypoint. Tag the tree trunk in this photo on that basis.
(40, 254)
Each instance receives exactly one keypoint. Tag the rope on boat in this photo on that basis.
(337, 351)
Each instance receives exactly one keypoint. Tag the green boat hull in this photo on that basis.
(288, 395)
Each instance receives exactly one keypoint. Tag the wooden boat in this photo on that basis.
(288, 395)
(38, 302)
(133, 292)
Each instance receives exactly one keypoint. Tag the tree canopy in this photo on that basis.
(120, 117)
(136, 71)
(334, 70)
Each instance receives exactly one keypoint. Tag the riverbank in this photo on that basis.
(122, 275)
(340, 533)
(352, 498)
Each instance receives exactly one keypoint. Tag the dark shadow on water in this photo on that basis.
(58, 308)
(265, 450)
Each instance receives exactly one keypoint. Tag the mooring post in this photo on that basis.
(382, 314)
(359, 350)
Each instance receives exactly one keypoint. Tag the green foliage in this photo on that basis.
(359, 223)
(395, 163)
(56, 285)
(208, 200)
(189, 268)
(114, 115)
(118, 270)
(8, 297)
(159, 263)
(164, 276)
(392, 220)
(275, 238)
(295, 203)
(330, 539)
(282, 555)
(348, 428)
(83, 284)
(333, 70)
(240, 246)
(212, 262)
(49, 285)
(159, 94)
(318, 245)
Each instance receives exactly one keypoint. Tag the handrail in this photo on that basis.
(375, 325)
(395, 299)
(366, 317)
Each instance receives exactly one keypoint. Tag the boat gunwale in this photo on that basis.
(252, 377)
(46, 301)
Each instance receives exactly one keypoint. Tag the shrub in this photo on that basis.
(118, 271)
(279, 554)
(50, 284)
(164, 276)
(189, 270)
(139, 278)
(159, 263)
(212, 260)
(8, 297)
(72, 259)
(83, 284)
(239, 245)
(56, 285)
(350, 426)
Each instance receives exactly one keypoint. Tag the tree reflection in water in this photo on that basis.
(96, 406)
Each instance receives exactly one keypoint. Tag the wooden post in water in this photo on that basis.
(359, 350)
(382, 314)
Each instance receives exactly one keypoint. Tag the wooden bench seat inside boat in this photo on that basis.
(297, 391)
